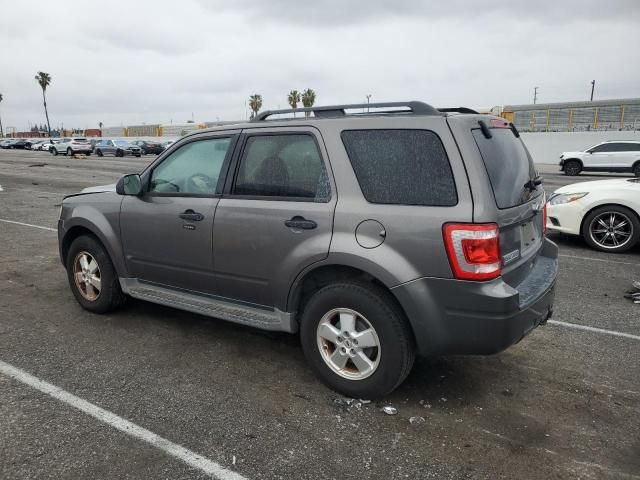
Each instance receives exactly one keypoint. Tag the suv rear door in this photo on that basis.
(276, 215)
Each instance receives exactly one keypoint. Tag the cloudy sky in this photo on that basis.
(140, 61)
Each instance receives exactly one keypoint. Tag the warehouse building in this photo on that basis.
(599, 115)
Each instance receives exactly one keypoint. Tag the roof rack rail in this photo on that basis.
(457, 110)
(415, 108)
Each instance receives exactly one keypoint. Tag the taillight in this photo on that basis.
(473, 250)
(544, 217)
(498, 123)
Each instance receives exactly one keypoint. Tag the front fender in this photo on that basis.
(101, 216)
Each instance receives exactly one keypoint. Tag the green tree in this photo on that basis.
(293, 99)
(308, 99)
(255, 104)
(1, 132)
(44, 80)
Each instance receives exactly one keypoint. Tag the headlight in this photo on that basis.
(563, 198)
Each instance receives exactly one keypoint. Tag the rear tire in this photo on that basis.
(572, 168)
(387, 362)
(108, 295)
(598, 231)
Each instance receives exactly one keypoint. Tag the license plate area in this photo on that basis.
(529, 238)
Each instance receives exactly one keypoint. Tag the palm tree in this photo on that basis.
(293, 99)
(308, 99)
(255, 104)
(100, 125)
(44, 79)
(1, 132)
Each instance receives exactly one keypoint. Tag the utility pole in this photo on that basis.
(593, 86)
(535, 95)
(368, 98)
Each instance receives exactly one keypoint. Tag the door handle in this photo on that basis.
(191, 216)
(301, 223)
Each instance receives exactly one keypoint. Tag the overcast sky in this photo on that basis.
(139, 61)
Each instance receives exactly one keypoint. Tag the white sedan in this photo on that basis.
(606, 213)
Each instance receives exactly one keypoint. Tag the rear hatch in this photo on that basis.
(518, 194)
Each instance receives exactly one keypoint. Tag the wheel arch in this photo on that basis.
(574, 159)
(321, 275)
(84, 227)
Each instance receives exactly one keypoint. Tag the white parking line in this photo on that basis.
(591, 259)
(28, 225)
(192, 459)
(594, 329)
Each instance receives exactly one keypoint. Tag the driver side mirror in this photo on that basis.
(129, 185)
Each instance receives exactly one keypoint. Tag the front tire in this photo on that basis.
(69, 152)
(611, 228)
(54, 151)
(119, 153)
(356, 339)
(92, 277)
(636, 169)
(572, 168)
(99, 152)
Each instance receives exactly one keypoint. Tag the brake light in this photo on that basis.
(473, 250)
(544, 218)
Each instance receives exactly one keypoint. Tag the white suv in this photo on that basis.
(71, 146)
(610, 156)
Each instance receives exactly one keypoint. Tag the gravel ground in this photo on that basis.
(561, 404)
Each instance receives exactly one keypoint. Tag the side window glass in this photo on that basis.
(603, 148)
(193, 169)
(283, 166)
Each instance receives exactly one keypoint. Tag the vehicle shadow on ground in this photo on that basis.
(454, 378)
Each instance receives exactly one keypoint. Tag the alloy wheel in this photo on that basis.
(611, 230)
(86, 273)
(348, 344)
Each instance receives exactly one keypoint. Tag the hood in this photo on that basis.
(100, 189)
(571, 154)
(598, 185)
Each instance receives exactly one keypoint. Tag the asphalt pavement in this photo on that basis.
(563, 403)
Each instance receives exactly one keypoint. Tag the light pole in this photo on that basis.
(535, 95)
(368, 98)
(593, 86)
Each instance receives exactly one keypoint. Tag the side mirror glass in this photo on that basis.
(129, 185)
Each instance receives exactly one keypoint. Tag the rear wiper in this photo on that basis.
(533, 183)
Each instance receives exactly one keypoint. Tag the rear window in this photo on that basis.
(406, 167)
(509, 166)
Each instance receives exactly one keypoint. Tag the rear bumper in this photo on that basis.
(479, 318)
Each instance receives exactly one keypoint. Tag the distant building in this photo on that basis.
(619, 114)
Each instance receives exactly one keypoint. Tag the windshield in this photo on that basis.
(121, 142)
(509, 166)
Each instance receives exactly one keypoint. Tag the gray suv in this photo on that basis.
(376, 234)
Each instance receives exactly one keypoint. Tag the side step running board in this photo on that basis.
(210, 306)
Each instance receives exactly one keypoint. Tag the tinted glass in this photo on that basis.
(194, 168)
(626, 147)
(282, 166)
(607, 147)
(408, 167)
(509, 166)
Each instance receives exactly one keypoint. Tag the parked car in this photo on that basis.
(375, 236)
(46, 146)
(606, 213)
(610, 156)
(119, 148)
(147, 146)
(16, 143)
(34, 144)
(7, 143)
(71, 146)
(168, 143)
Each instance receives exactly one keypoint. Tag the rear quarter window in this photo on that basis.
(404, 167)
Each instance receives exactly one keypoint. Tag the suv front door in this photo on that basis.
(600, 157)
(276, 216)
(167, 232)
